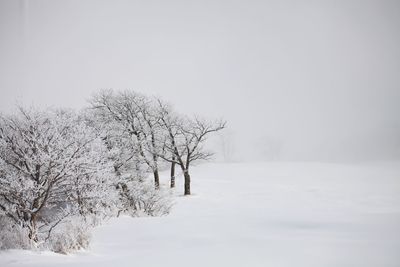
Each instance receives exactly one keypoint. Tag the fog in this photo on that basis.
(296, 80)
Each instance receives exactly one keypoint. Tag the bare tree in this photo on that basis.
(184, 139)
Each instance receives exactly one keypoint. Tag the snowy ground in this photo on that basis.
(257, 214)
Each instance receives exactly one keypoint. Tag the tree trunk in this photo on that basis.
(33, 231)
(32, 219)
(173, 174)
(156, 179)
(187, 182)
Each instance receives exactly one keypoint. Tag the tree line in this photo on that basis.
(63, 171)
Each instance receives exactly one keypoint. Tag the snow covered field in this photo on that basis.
(257, 214)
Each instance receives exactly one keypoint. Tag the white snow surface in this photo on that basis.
(256, 214)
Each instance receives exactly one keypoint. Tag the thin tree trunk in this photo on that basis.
(187, 182)
(173, 173)
(156, 179)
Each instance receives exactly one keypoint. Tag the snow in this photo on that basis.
(256, 214)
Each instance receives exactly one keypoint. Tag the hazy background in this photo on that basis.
(296, 80)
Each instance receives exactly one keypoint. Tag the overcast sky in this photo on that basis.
(303, 79)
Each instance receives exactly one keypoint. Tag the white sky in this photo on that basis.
(320, 77)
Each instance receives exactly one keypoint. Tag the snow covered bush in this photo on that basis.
(52, 167)
(73, 234)
(12, 235)
(138, 197)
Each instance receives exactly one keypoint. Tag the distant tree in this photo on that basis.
(269, 147)
(227, 145)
